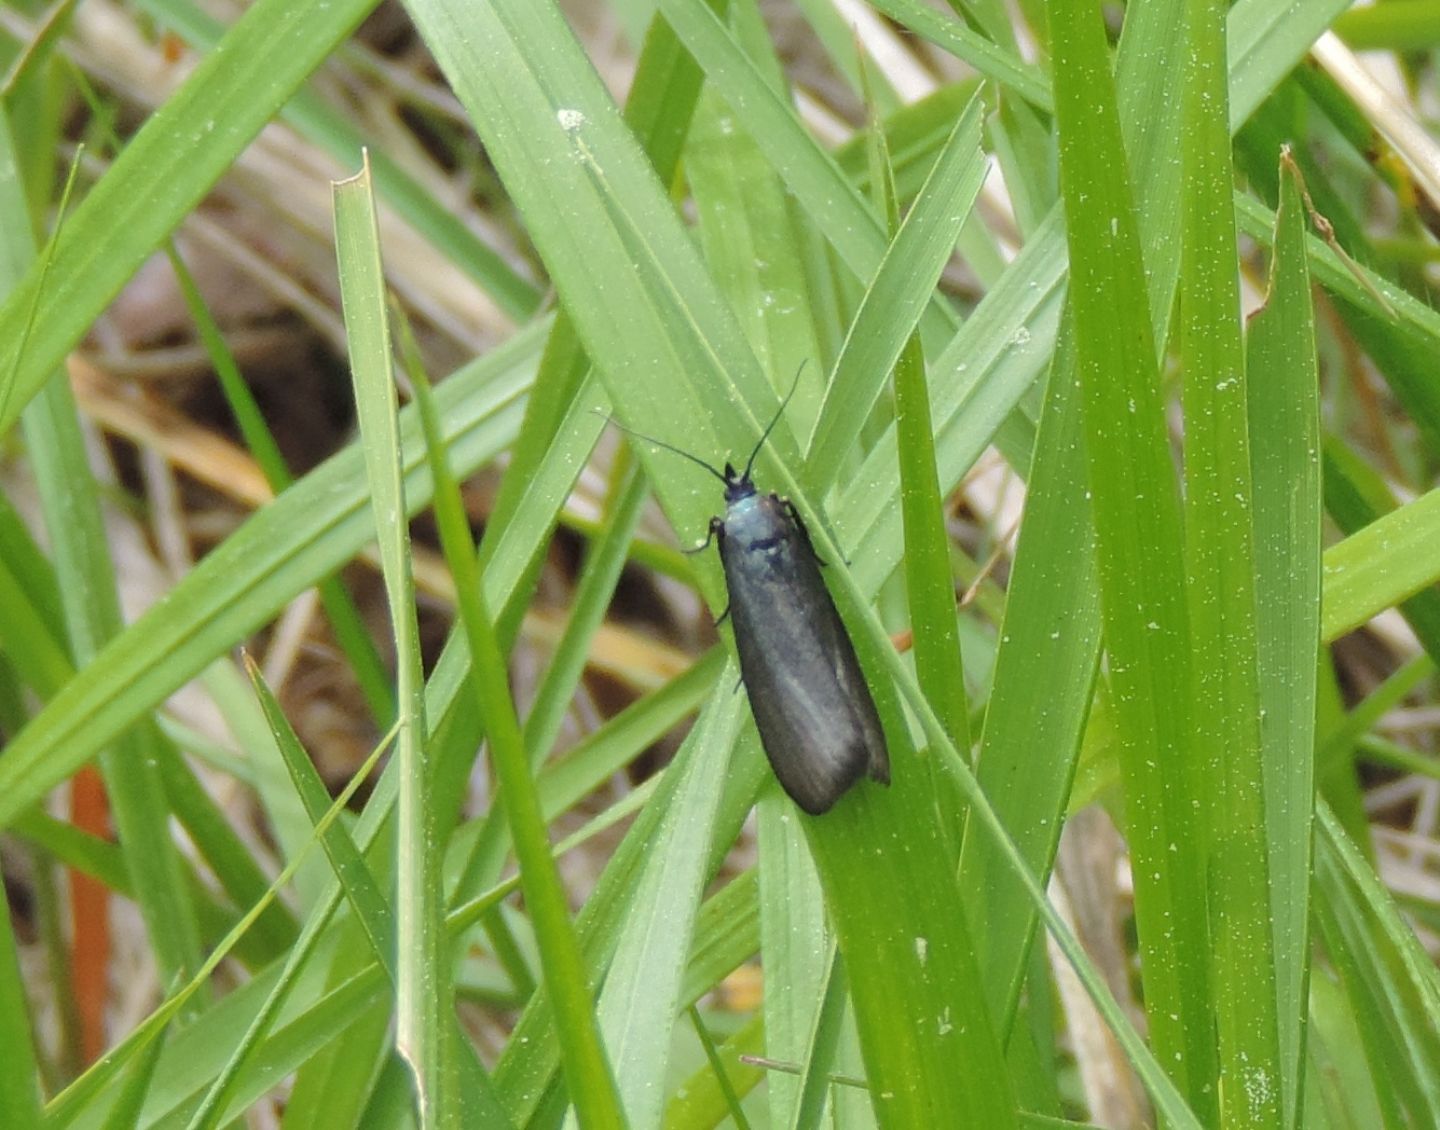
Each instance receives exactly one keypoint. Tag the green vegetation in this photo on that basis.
(1117, 323)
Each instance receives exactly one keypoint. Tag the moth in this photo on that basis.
(812, 706)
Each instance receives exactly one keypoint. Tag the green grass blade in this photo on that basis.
(642, 995)
(1284, 413)
(423, 991)
(793, 939)
(1355, 495)
(86, 579)
(1388, 978)
(525, 1071)
(1225, 744)
(349, 869)
(19, 1075)
(1400, 330)
(593, 593)
(897, 294)
(823, 1044)
(874, 646)
(930, 587)
(1403, 25)
(76, 1100)
(1380, 565)
(1044, 677)
(1137, 518)
(1266, 41)
(716, 1085)
(953, 36)
(830, 201)
(592, 1086)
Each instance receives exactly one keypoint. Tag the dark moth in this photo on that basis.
(812, 706)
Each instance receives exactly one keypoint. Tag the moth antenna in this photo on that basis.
(667, 446)
(750, 463)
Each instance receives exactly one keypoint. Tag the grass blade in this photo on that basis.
(1285, 440)
(1224, 760)
(592, 1085)
(1137, 519)
(423, 993)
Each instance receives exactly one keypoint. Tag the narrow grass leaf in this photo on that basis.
(641, 999)
(662, 99)
(127, 1111)
(350, 871)
(361, 890)
(1355, 495)
(725, 925)
(1381, 565)
(930, 587)
(1402, 25)
(19, 1072)
(592, 1087)
(897, 295)
(85, 577)
(1398, 328)
(829, 200)
(593, 592)
(1268, 39)
(1137, 518)
(754, 248)
(793, 940)
(1227, 772)
(1389, 979)
(954, 37)
(1283, 395)
(823, 1044)
(77, 1100)
(423, 992)
(1045, 667)
(526, 1069)
(874, 643)
(720, 1085)
(928, 579)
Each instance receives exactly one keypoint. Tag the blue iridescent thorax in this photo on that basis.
(758, 524)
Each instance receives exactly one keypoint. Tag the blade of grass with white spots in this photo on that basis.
(1136, 504)
(423, 992)
(1224, 769)
(1283, 406)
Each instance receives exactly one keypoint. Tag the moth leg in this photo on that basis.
(717, 528)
